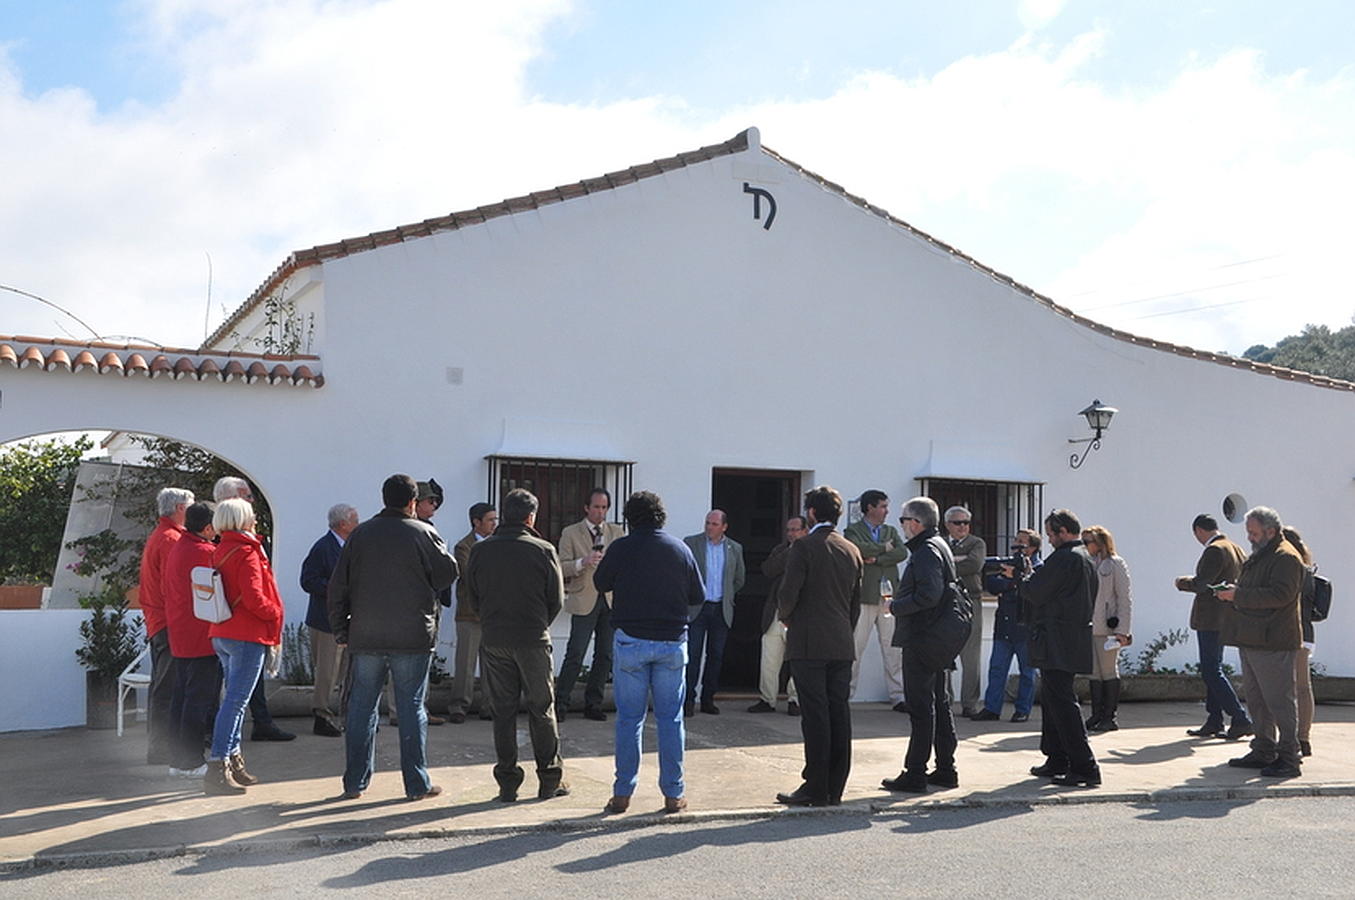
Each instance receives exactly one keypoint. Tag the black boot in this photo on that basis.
(1110, 699)
(1097, 690)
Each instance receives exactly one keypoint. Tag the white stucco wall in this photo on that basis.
(835, 344)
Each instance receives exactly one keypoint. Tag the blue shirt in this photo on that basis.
(715, 571)
(874, 531)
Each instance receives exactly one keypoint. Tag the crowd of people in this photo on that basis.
(657, 611)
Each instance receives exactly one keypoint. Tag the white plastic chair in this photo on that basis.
(130, 680)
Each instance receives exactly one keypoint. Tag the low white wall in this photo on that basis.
(44, 685)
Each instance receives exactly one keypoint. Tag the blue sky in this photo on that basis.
(1177, 169)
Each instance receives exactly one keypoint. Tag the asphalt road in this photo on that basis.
(1263, 848)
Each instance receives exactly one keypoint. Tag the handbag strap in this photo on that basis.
(217, 567)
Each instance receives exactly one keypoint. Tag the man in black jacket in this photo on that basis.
(383, 602)
(926, 689)
(1059, 597)
(515, 586)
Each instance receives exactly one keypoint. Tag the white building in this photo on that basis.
(725, 328)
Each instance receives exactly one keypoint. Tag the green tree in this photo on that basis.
(37, 479)
(1317, 349)
(175, 464)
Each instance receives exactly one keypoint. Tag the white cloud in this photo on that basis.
(1038, 13)
(303, 121)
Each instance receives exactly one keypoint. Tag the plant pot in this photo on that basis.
(101, 701)
(21, 596)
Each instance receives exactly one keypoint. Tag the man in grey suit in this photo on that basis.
(720, 560)
(820, 602)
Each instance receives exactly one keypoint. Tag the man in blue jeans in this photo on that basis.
(654, 582)
(1011, 637)
(383, 606)
(1220, 563)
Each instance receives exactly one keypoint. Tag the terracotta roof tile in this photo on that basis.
(172, 363)
(256, 372)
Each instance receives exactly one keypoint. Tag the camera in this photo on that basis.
(1019, 562)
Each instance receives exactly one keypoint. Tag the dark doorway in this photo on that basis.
(758, 502)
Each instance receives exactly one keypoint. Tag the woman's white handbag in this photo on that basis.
(209, 595)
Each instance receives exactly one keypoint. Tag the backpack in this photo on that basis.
(948, 629)
(209, 594)
(1321, 597)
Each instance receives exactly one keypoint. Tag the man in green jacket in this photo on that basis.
(1265, 624)
(514, 585)
(882, 550)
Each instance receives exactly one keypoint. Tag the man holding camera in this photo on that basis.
(581, 547)
(1059, 596)
(1011, 635)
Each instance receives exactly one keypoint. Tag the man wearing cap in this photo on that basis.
(590, 612)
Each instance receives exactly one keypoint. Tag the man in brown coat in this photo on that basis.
(515, 586)
(1219, 564)
(1264, 624)
(820, 602)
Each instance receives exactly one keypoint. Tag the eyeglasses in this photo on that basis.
(958, 522)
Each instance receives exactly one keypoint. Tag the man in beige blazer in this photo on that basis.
(581, 547)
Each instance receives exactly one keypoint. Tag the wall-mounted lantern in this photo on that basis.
(1098, 419)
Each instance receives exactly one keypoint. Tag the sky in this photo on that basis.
(1180, 170)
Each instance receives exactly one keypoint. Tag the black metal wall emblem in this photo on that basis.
(759, 194)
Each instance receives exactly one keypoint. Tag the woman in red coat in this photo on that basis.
(242, 641)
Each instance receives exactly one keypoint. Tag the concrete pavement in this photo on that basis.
(79, 797)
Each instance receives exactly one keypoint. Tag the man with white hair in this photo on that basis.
(172, 505)
(969, 551)
(326, 654)
(229, 487)
(1264, 622)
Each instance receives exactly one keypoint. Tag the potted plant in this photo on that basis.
(109, 642)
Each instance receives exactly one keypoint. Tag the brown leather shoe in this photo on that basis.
(617, 805)
(238, 772)
(436, 720)
(433, 791)
(218, 779)
(674, 804)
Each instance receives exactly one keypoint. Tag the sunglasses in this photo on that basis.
(958, 522)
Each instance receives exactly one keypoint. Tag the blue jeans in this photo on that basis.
(409, 674)
(241, 663)
(999, 664)
(707, 632)
(1220, 697)
(644, 669)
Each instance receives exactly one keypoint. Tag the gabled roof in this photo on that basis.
(740, 143)
(170, 363)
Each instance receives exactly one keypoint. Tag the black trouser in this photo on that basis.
(597, 627)
(159, 723)
(825, 686)
(1063, 736)
(258, 707)
(197, 692)
(926, 693)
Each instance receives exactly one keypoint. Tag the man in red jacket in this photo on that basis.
(197, 683)
(171, 503)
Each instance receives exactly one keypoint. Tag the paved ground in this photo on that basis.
(80, 796)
